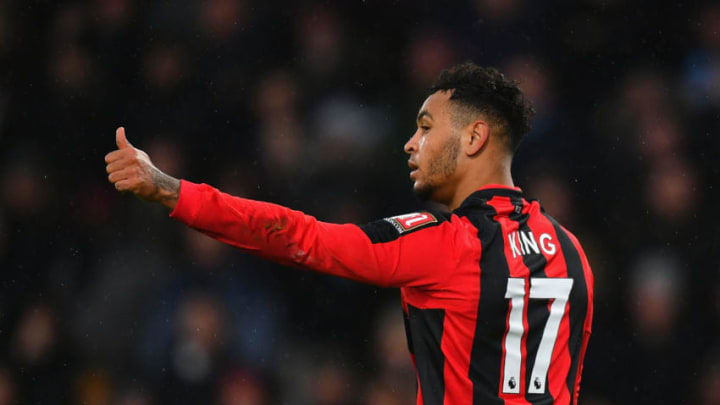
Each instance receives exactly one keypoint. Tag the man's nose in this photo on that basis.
(411, 144)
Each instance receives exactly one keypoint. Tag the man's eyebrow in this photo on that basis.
(422, 114)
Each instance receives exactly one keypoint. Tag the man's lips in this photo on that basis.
(413, 168)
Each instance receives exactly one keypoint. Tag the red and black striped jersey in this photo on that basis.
(497, 296)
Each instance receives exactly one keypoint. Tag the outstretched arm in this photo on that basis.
(381, 253)
(131, 169)
(376, 253)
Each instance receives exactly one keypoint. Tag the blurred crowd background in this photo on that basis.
(106, 301)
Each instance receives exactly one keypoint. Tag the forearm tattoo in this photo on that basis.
(166, 188)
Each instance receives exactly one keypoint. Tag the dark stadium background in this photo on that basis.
(105, 300)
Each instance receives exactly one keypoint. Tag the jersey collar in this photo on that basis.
(488, 191)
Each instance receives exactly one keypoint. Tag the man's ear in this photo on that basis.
(477, 137)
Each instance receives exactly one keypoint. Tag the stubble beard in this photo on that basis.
(440, 168)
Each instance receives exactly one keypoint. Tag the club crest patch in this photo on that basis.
(409, 222)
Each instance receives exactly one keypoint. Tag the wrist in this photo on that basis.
(167, 189)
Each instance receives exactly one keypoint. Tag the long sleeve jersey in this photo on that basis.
(497, 296)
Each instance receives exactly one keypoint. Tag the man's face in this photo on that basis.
(434, 149)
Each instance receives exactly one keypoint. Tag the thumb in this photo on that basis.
(121, 140)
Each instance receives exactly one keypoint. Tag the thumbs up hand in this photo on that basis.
(131, 169)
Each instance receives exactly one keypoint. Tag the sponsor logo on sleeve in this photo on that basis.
(408, 222)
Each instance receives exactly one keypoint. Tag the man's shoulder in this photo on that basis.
(391, 228)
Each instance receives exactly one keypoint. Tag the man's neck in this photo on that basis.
(499, 174)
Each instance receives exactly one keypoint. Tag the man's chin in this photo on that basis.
(423, 193)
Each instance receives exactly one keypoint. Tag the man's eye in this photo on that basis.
(425, 128)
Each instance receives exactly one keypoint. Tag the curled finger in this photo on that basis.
(115, 155)
(115, 166)
(118, 175)
(122, 185)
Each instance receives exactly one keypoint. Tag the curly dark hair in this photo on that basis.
(486, 91)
